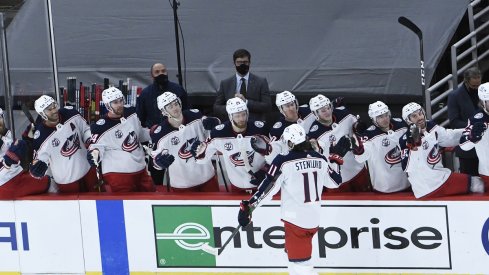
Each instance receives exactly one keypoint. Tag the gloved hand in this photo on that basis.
(244, 215)
(338, 151)
(413, 137)
(210, 122)
(93, 157)
(477, 131)
(164, 160)
(38, 169)
(259, 177)
(15, 153)
(260, 145)
(357, 145)
(359, 127)
(338, 102)
(28, 133)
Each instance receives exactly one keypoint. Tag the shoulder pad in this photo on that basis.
(314, 128)
(259, 124)
(277, 125)
(100, 121)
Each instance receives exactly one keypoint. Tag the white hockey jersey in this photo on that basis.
(63, 147)
(6, 174)
(184, 172)
(223, 139)
(306, 118)
(303, 175)
(383, 156)
(482, 146)
(423, 165)
(328, 135)
(118, 141)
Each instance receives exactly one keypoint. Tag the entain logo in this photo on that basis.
(186, 232)
(485, 236)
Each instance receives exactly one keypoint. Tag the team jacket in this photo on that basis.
(184, 172)
(63, 147)
(481, 146)
(383, 156)
(423, 164)
(224, 140)
(118, 141)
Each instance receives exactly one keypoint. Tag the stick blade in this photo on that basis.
(27, 113)
(410, 25)
(209, 249)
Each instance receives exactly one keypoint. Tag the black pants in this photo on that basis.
(469, 166)
(156, 175)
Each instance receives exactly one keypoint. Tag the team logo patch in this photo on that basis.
(314, 128)
(478, 115)
(425, 145)
(277, 125)
(69, 107)
(131, 142)
(72, 144)
(237, 159)
(228, 146)
(386, 142)
(55, 142)
(393, 157)
(434, 156)
(219, 127)
(371, 128)
(100, 121)
(332, 139)
(174, 140)
(397, 119)
(194, 110)
(259, 124)
(157, 130)
(118, 134)
(184, 152)
(37, 134)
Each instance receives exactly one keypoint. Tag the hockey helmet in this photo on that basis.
(42, 103)
(295, 134)
(408, 109)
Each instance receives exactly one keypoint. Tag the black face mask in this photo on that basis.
(243, 69)
(472, 91)
(162, 80)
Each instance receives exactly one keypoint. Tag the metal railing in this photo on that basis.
(460, 61)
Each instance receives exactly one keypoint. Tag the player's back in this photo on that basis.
(303, 176)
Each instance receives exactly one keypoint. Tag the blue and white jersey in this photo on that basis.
(383, 155)
(63, 147)
(119, 142)
(481, 146)
(184, 172)
(6, 174)
(423, 164)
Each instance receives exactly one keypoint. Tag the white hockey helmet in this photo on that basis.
(295, 134)
(319, 102)
(165, 99)
(376, 109)
(42, 103)
(409, 109)
(1, 113)
(284, 98)
(235, 105)
(483, 91)
(110, 94)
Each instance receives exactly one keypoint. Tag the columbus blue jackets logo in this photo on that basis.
(237, 159)
(184, 152)
(131, 142)
(434, 156)
(72, 144)
(393, 157)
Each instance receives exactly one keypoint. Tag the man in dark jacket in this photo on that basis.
(462, 103)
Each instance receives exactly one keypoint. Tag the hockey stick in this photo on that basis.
(222, 173)
(27, 113)
(411, 26)
(244, 155)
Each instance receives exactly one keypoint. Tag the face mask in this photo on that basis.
(243, 69)
(162, 80)
(472, 90)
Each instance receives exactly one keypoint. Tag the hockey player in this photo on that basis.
(473, 135)
(331, 124)
(232, 139)
(301, 174)
(421, 157)
(173, 139)
(59, 144)
(116, 146)
(378, 146)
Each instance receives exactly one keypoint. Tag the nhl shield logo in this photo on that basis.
(332, 139)
(118, 134)
(55, 142)
(386, 142)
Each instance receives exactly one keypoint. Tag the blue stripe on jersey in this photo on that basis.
(112, 236)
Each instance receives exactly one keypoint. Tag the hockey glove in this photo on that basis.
(29, 132)
(356, 145)
(210, 122)
(477, 131)
(259, 177)
(413, 137)
(38, 169)
(244, 215)
(338, 151)
(260, 145)
(164, 160)
(359, 127)
(338, 102)
(93, 157)
(15, 153)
